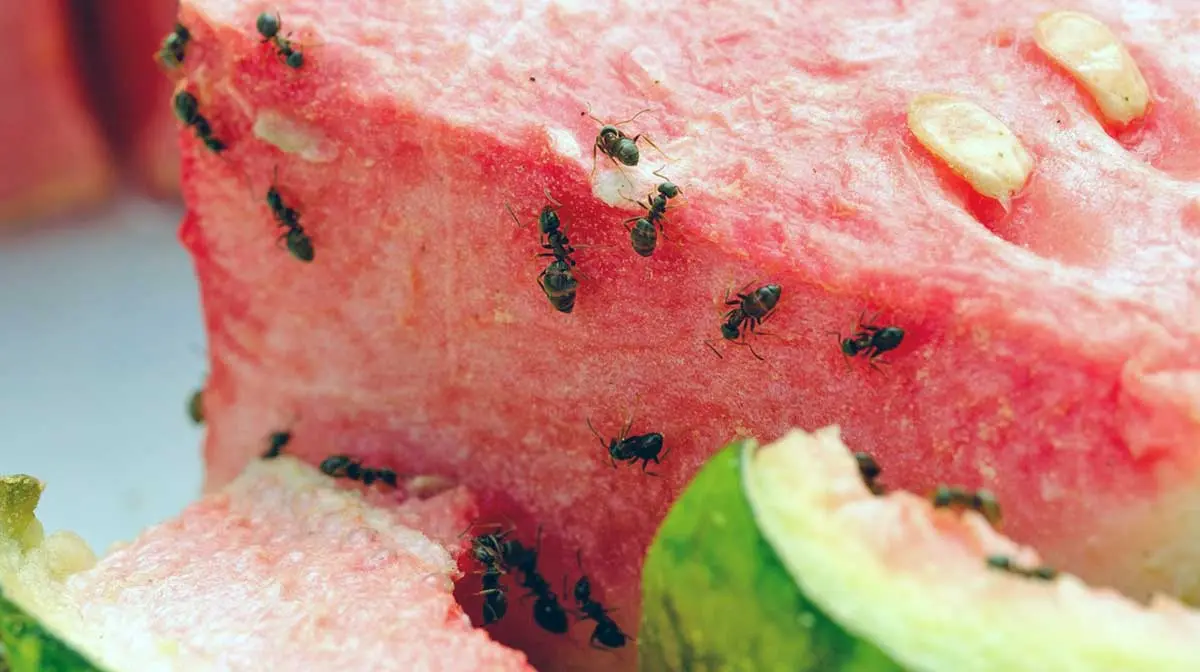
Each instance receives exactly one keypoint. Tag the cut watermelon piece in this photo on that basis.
(418, 339)
(54, 158)
(280, 570)
(826, 576)
(130, 87)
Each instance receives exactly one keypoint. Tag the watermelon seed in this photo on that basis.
(626, 448)
(607, 634)
(750, 311)
(174, 46)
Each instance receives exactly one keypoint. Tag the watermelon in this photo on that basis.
(826, 576)
(284, 569)
(129, 85)
(55, 158)
(885, 189)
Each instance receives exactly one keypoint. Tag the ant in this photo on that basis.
(269, 25)
(276, 443)
(489, 551)
(644, 233)
(299, 244)
(548, 612)
(870, 470)
(550, 232)
(626, 448)
(195, 406)
(982, 501)
(618, 147)
(187, 108)
(343, 466)
(870, 341)
(607, 635)
(1005, 563)
(750, 311)
(174, 46)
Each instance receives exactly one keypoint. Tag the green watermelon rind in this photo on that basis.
(706, 606)
(30, 647)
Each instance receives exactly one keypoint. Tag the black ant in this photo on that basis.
(268, 26)
(187, 108)
(276, 443)
(618, 147)
(550, 232)
(626, 448)
(607, 635)
(870, 341)
(489, 551)
(870, 470)
(174, 46)
(343, 466)
(195, 406)
(982, 501)
(299, 244)
(644, 233)
(750, 311)
(548, 612)
(1005, 563)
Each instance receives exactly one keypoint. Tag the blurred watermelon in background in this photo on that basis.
(93, 109)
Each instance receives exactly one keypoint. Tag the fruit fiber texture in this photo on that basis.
(281, 570)
(54, 158)
(826, 576)
(130, 88)
(1049, 351)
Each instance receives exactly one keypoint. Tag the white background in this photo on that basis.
(101, 342)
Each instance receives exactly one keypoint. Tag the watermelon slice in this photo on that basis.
(825, 576)
(938, 164)
(283, 569)
(54, 156)
(129, 86)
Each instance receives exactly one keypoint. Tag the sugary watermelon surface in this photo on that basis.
(54, 157)
(284, 571)
(1048, 351)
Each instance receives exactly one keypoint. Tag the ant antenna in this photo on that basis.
(711, 347)
(635, 117)
(513, 215)
(546, 191)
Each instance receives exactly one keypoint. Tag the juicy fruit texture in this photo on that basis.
(53, 157)
(301, 574)
(789, 537)
(419, 330)
(710, 560)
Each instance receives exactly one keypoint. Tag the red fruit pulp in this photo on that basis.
(282, 573)
(53, 157)
(1048, 352)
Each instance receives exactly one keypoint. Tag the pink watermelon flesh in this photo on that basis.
(282, 573)
(1049, 352)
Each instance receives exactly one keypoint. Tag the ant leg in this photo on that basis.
(651, 142)
(756, 355)
(594, 148)
(513, 215)
(710, 347)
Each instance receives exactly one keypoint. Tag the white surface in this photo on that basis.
(101, 342)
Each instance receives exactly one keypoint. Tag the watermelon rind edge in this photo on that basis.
(716, 595)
